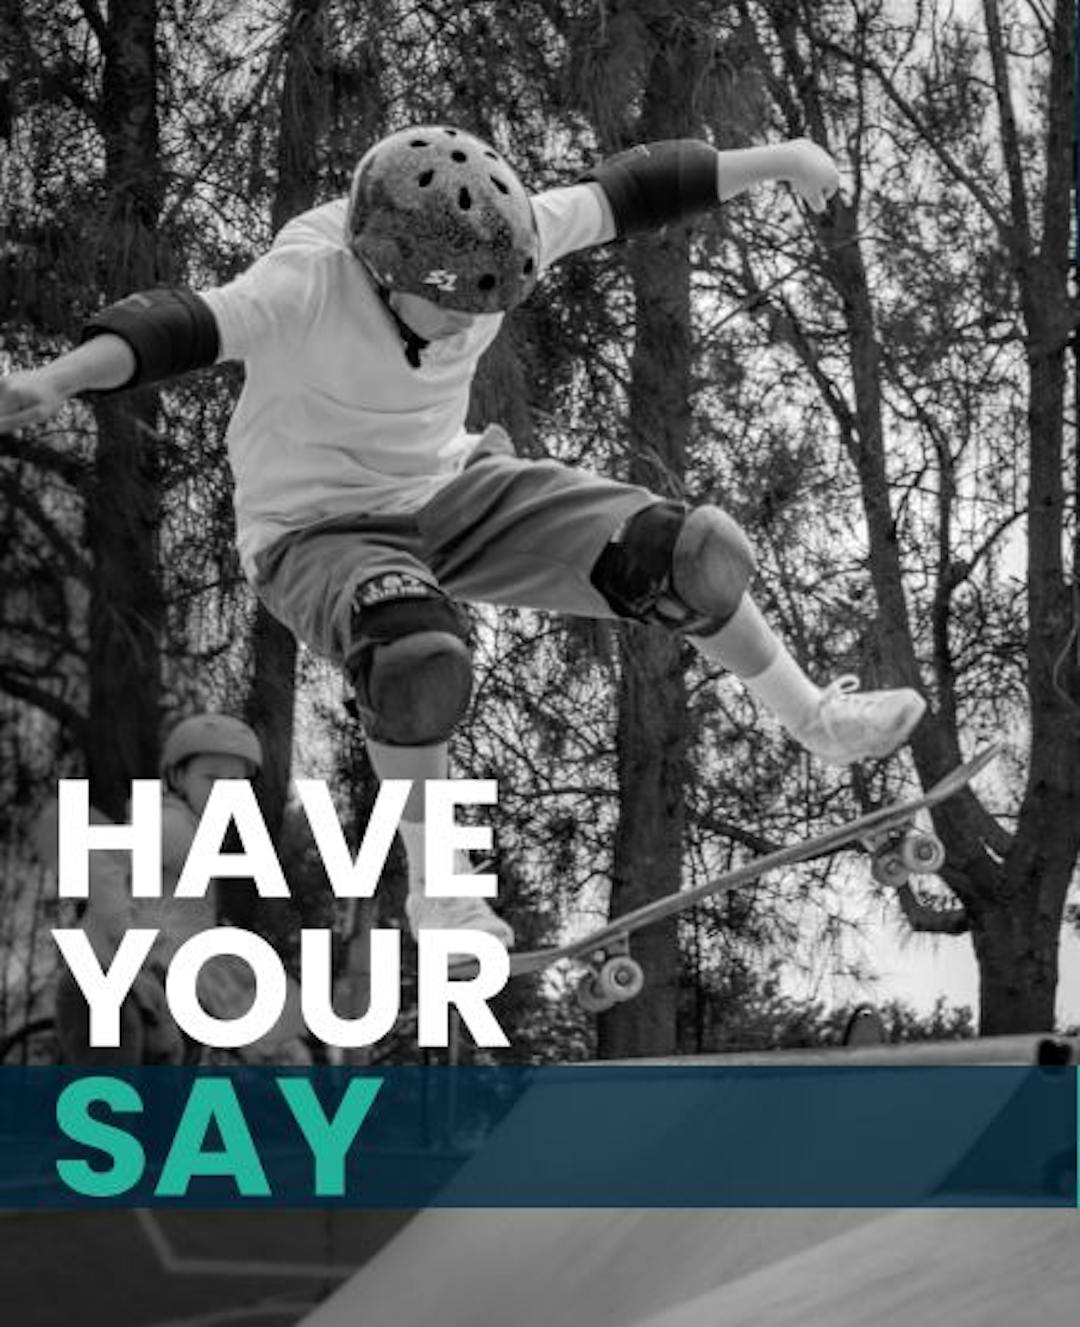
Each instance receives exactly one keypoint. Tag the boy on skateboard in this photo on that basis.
(364, 507)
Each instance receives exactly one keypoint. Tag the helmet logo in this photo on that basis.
(441, 278)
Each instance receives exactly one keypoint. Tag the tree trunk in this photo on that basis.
(271, 699)
(651, 742)
(1016, 949)
(652, 733)
(126, 604)
(126, 611)
(269, 708)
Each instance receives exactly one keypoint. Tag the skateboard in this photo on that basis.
(897, 849)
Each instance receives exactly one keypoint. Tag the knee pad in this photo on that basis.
(712, 566)
(683, 570)
(410, 661)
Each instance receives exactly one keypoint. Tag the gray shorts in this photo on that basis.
(505, 531)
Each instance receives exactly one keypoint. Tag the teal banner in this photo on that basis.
(406, 1137)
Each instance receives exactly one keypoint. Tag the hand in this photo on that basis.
(812, 174)
(35, 395)
(28, 398)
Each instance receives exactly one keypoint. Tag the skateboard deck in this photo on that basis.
(888, 834)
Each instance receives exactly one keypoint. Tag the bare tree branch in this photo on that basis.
(20, 687)
(18, 496)
(982, 196)
(1010, 138)
(70, 468)
(925, 918)
(734, 832)
(95, 19)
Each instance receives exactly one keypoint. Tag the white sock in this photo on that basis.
(785, 690)
(412, 835)
(748, 647)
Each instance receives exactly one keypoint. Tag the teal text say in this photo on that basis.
(211, 1139)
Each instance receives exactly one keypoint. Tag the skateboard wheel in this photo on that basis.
(922, 853)
(620, 978)
(889, 869)
(590, 997)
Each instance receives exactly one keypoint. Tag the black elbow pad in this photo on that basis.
(656, 184)
(169, 330)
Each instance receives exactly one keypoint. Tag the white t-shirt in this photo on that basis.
(333, 420)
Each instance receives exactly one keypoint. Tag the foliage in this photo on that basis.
(863, 395)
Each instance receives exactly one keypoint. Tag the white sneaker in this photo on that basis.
(466, 914)
(848, 724)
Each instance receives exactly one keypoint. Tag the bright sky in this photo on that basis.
(919, 968)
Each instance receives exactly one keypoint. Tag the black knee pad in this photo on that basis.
(410, 661)
(669, 567)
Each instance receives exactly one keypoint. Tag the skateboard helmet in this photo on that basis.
(210, 735)
(435, 212)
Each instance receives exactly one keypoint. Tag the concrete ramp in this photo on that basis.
(768, 1268)
(567, 1268)
(628, 1267)
(964, 1268)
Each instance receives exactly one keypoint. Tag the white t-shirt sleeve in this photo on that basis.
(568, 219)
(273, 303)
(268, 304)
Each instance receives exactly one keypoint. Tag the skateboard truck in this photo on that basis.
(611, 976)
(896, 856)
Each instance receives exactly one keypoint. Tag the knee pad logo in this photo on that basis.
(393, 585)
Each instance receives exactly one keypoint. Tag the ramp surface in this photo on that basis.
(567, 1268)
(966, 1268)
(769, 1268)
(635, 1267)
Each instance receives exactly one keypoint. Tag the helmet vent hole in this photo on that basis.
(502, 188)
(464, 199)
(529, 265)
(418, 142)
(458, 155)
(425, 178)
(487, 282)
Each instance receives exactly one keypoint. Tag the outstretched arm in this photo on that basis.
(34, 395)
(659, 184)
(809, 170)
(149, 336)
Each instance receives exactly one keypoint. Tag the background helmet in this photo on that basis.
(211, 735)
(435, 212)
